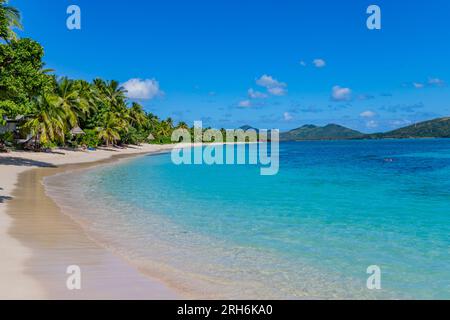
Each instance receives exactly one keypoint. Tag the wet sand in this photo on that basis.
(58, 242)
(39, 242)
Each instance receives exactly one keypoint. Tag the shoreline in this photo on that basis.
(32, 225)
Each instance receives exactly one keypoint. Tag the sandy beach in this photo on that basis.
(32, 227)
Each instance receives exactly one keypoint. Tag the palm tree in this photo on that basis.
(115, 95)
(88, 94)
(9, 19)
(70, 100)
(169, 122)
(137, 115)
(49, 122)
(182, 125)
(152, 122)
(99, 84)
(163, 129)
(110, 97)
(110, 131)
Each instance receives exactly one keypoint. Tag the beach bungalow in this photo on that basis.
(151, 137)
(77, 131)
(11, 124)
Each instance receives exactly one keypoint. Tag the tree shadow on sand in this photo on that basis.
(15, 161)
(5, 198)
(112, 149)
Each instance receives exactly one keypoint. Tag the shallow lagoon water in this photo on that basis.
(311, 231)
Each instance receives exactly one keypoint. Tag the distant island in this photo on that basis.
(312, 132)
(436, 128)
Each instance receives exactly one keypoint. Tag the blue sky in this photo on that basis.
(271, 64)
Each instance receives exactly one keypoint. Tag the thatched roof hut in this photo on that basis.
(151, 137)
(76, 131)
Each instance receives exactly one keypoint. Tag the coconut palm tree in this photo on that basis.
(110, 131)
(169, 122)
(152, 122)
(9, 19)
(74, 105)
(182, 125)
(99, 84)
(164, 129)
(88, 94)
(137, 115)
(49, 122)
(115, 96)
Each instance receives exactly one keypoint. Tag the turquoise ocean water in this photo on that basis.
(311, 231)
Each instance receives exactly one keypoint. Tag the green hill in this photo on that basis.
(248, 127)
(436, 128)
(328, 132)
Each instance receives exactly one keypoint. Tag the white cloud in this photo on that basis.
(277, 91)
(341, 94)
(269, 82)
(244, 103)
(272, 85)
(432, 82)
(319, 63)
(287, 116)
(303, 63)
(371, 124)
(436, 82)
(367, 114)
(253, 94)
(142, 89)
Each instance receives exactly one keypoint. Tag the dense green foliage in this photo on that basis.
(53, 106)
(9, 19)
(22, 77)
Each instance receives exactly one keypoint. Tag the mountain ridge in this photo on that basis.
(330, 131)
(434, 128)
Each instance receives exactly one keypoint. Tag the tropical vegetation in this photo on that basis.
(53, 107)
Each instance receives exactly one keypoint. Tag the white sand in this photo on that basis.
(15, 283)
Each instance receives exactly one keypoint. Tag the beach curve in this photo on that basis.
(33, 226)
